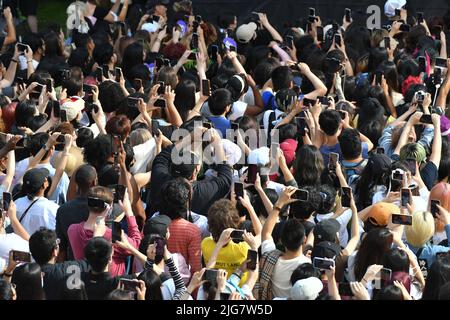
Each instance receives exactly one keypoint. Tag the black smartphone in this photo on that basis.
(404, 219)
(118, 73)
(21, 256)
(396, 175)
(252, 255)
(128, 284)
(19, 81)
(22, 47)
(206, 90)
(312, 12)
(160, 244)
(7, 197)
(210, 276)
(237, 235)
(308, 102)
(137, 84)
(411, 164)
(323, 263)
(324, 101)
(105, 70)
(311, 20)
(422, 64)
(338, 39)
(49, 85)
(214, 52)
(198, 18)
(289, 41)
(405, 27)
(441, 62)
(342, 114)
(332, 161)
(161, 88)
(155, 128)
(207, 125)
(63, 116)
(398, 12)
(119, 193)
(387, 42)
(116, 231)
(348, 14)
(320, 33)
(252, 171)
(301, 126)
(239, 190)
(194, 41)
(433, 207)
(385, 274)
(87, 88)
(345, 290)
(346, 196)
(426, 119)
(159, 63)
(61, 139)
(300, 194)
(155, 18)
(160, 103)
(133, 102)
(405, 197)
(56, 109)
(378, 78)
(99, 74)
(420, 17)
(192, 56)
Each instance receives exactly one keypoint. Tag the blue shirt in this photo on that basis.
(221, 124)
(429, 250)
(326, 150)
(268, 99)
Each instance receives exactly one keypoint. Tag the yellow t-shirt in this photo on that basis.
(230, 257)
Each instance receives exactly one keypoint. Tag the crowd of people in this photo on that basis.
(150, 154)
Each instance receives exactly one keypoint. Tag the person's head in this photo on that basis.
(390, 292)
(185, 97)
(222, 215)
(175, 198)
(304, 271)
(24, 112)
(350, 143)
(101, 193)
(263, 72)
(303, 210)
(98, 151)
(396, 260)
(120, 294)
(308, 166)
(153, 285)
(438, 275)
(282, 78)
(328, 195)
(36, 43)
(413, 151)
(84, 135)
(28, 281)
(157, 226)
(293, 235)
(421, 230)
(132, 55)
(53, 45)
(186, 169)
(237, 85)
(371, 120)
(104, 54)
(44, 246)
(74, 86)
(168, 75)
(35, 182)
(327, 230)
(139, 136)
(85, 178)
(220, 102)
(7, 291)
(98, 253)
(330, 122)
(111, 96)
(119, 125)
(372, 249)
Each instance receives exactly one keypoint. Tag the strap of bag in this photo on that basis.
(26, 211)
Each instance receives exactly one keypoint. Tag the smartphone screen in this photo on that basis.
(49, 85)
(337, 39)
(320, 33)
(210, 276)
(252, 255)
(207, 125)
(300, 194)
(403, 219)
(21, 256)
(7, 197)
(433, 207)
(119, 193)
(137, 84)
(385, 274)
(251, 173)
(348, 15)
(118, 73)
(323, 263)
(99, 74)
(161, 88)
(160, 103)
(426, 119)
(206, 91)
(155, 128)
(237, 235)
(63, 116)
(346, 196)
(333, 159)
(239, 190)
(422, 64)
(116, 231)
(128, 284)
(405, 197)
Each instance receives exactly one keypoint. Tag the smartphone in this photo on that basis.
(312, 12)
(155, 128)
(320, 33)
(333, 159)
(433, 207)
(133, 102)
(378, 78)
(239, 190)
(128, 284)
(346, 196)
(233, 48)
(411, 164)
(19, 81)
(56, 109)
(161, 88)
(301, 126)
(159, 63)
(119, 193)
(252, 255)
(118, 73)
(61, 139)
(116, 231)
(155, 18)
(7, 197)
(214, 52)
(387, 42)
(396, 175)
(63, 116)
(206, 90)
(405, 197)
(192, 56)
(324, 101)
(210, 276)
(337, 39)
(22, 47)
(441, 62)
(323, 263)
(87, 88)
(195, 25)
(420, 17)
(308, 102)
(237, 235)
(311, 20)
(385, 274)
(345, 289)
(404, 219)
(198, 18)
(160, 103)
(405, 28)
(21, 256)
(49, 85)
(123, 28)
(137, 84)
(379, 150)
(289, 40)
(115, 144)
(348, 14)
(422, 64)
(426, 119)
(194, 41)
(342, 114)
(160, 244)
(252, 171)
(300, 194)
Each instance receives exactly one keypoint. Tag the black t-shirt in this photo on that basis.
(98, 286)
(100, 24)
(429, 174)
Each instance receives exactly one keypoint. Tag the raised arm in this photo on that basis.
(320, 89)
(11, 35)
(266, 24)
(61, 164)
(436, 148)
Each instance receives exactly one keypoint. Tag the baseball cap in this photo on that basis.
(157, 225)
(306, 289)
(72, 106)
(34, 179)
(391, 5)
(380, 162)
(246, 32)
(260, 156)
(326, 230)
(326, 249)
(380, 213)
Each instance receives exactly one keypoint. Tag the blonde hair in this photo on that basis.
(421, 230)
(139, 136)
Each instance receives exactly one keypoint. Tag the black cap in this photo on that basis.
(34, 179)
(380, 162)
(157, 225)
(326, 249)
(326, 230)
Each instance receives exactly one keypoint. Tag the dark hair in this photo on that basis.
(6, 292)
(258, 204)
(53, 46)
(308, 166)
(37, 121)
(293, 234)
(168, 76)
(224, 19)
(103, 53)
(390, 292)
(34, 40)
(38, 140)
(330, 121)
(185, 97)
(85, 177)
(111, 97)
(28, 281)
(24, 113)
(282, 78)
(98, 252)
(371, 121)
(303, 210)
(152, 284)
(84, 136)
(304, 271)
(444, 165)
(132, 55)
(263, 72)
(98, 150)
(287, 131)
(175, 198)
(396, 260)
(219, 100)
(255, 56)
(222, 215)
(438, 275)
(119, 294)
(80, 58)
(73, 85)
(42, 243)
(350, 143)
(328, 195)
(372, 249)
(119, 125)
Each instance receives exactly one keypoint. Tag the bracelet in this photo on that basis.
(28, 61)
(277, 208)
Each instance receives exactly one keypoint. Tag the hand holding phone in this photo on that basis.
(405, 197)
(21, 256)
(300, 194)
(239, 190)
(237, 235)
(346, 197)
(206, 90)
(403, 219)
(333, 159)
(323, 263)
(434, 209)
(7, 198)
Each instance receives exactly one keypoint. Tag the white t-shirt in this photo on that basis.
(24, 65)
(281, 277)
(41, 214)
(143, 154)
(11, 241)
